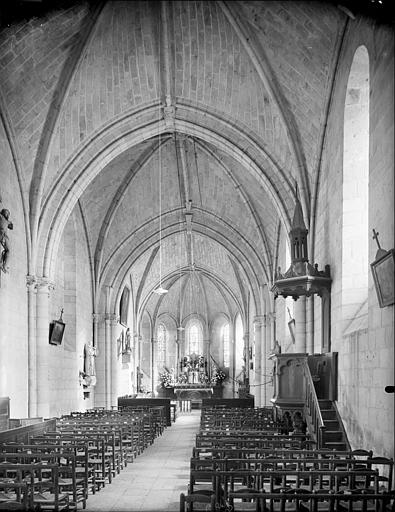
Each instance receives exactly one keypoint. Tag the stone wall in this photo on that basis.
(72, 292)
(13, 292)
(366, 350)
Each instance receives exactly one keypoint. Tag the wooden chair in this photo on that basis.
(385, 467)
(13, 494)
(45, 489)
(197, 502)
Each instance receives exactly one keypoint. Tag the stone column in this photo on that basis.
(114, 362)
(259, 353)
(153, 372)
(263, 326)
(100, 362)
(44, 287)
(271, 329)
(107, 359)
(270, 338)
(232, 353)
(95, 319)
(177, 356)
(136, 355)
(31, 344)
(265, 363)
(246, 339)
(310, 324)
(300, 325)
(208, 368)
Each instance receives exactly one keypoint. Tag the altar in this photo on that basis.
(193, 391)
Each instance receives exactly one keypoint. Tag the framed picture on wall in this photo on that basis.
(56, 330)
(383, 276)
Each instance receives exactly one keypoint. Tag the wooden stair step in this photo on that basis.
(333, 435)
(335, 445)
(332, 424)
(329, 415)
(325, 404)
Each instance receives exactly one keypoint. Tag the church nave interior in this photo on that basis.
(197, 210)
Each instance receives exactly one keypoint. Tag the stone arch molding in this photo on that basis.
(125, 133)
(150, 242)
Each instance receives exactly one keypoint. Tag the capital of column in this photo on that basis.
(96, 317)
(260, 320)
(137, 336)
(271, 317)
(31, 283)
(44, 285)
(111, 318)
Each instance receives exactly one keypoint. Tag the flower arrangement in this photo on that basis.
(183, 378)
(167, 379)
(217, 375)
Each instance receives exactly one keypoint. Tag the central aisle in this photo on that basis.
(154, 481)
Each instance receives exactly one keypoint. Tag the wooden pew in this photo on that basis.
(312, 502)
(66, 462)
(42, 485)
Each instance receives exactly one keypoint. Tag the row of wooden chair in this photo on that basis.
(58, 469)
(237, 418)
(261, 470)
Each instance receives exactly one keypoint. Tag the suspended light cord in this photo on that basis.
(160, 211)
(180, 327)
(160, 290)
(160, 160)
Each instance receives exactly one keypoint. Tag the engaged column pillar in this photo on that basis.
(259, 353)
(114, 365)
(107, 360)
(310, 324)
(31, 343)
(300, 324)
(44, 286)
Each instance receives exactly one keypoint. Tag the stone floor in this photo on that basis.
(154, 481)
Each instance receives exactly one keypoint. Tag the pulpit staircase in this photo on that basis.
(322, 417)
(308, 383)
(333, 435)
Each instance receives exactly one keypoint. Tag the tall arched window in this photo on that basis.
(355, 264)
(124, 306)
(239, 345)
(226, 345)
(161, 348)
(194, 337)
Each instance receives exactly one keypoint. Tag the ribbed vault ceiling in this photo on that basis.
(246, 85)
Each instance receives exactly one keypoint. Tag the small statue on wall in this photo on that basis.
(128, 345)
(5, 224)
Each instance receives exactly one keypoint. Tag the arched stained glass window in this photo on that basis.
(124, 306)
(162, 340)
(226, 344)
(239, 341)
(194, 335)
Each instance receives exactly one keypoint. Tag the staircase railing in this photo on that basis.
(312, 407)
(341, 426)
